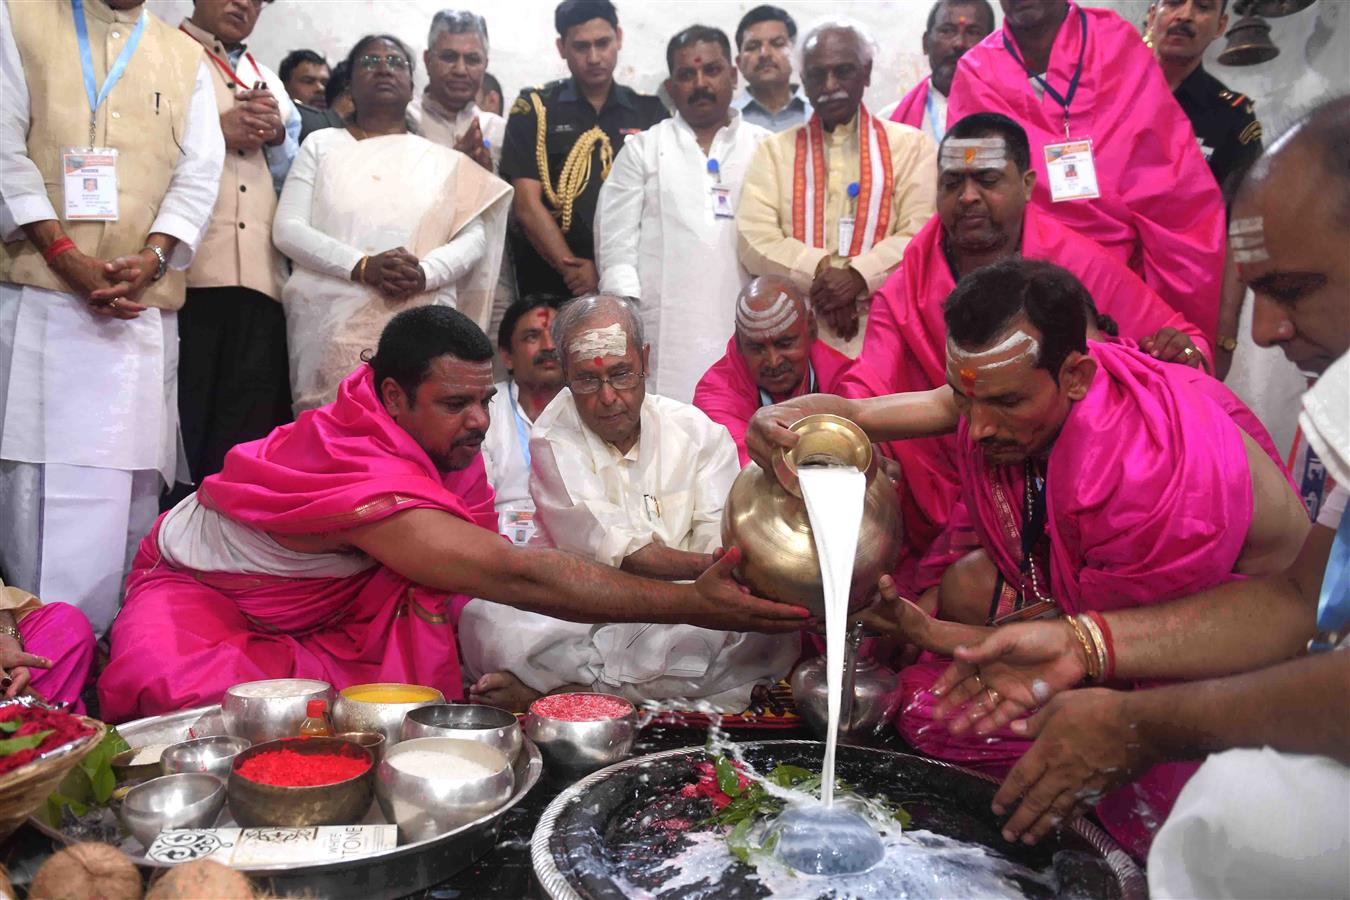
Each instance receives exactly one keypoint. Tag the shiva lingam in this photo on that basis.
(766, 518)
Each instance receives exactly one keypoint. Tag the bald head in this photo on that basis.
(1288, 233)
(775, 331)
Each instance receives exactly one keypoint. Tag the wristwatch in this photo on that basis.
(1227, 344)
(163, 261)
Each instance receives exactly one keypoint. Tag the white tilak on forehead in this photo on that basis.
(966, 154)
(760, 323)
(976, 360)
(610, 341)
(1247, 240)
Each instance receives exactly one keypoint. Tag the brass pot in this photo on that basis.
(766, 518)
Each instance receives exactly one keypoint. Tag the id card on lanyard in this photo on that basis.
(1069, 164)
(719, 194)
(89, 174)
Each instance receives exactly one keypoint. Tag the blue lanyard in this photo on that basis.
(119, 66)
(1333, 607)
(1066, 99)
(522, 433)
(932, 113)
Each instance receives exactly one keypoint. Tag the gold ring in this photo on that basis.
(993, 697)
(1188, 352)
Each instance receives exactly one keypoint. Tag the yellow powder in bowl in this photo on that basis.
(391, 693)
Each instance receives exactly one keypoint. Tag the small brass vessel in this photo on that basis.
(766, 518)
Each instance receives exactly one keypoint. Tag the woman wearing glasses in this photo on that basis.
(377, 219)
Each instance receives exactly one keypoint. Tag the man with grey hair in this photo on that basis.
(832, 203)
(447, 112)
(632, 480)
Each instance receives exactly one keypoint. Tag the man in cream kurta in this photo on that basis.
(844, 174)
(632, 480)
(88, 372)
(666, 228)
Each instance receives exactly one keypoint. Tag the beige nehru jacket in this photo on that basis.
(145, 119)
(237, 250)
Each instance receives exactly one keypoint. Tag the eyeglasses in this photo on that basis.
(589, 384)
(394, 61)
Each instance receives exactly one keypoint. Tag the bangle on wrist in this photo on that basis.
(13, 632)
(1108, 644)
(162, 259)
(361, 270)
(61, 245)
(1091, 662)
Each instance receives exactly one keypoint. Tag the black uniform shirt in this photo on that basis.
(568, 115)
(1224, 121)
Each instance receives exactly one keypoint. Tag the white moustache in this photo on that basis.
(837, 95)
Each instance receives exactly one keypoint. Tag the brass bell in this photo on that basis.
(1249, 43)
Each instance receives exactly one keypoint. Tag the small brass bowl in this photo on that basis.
(372, 740)
(353, 714)
(213, 755)
(254, 804)
(468, 722)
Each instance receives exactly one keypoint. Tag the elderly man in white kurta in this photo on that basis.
(636, 481)
(447, 112)
(90, 279)
(666, 224)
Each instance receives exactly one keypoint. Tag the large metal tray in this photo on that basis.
(573, 860)
(394, 873)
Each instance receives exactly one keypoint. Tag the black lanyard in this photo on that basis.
(1064, 100)
(1033, 514)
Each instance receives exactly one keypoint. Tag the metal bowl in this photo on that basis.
(466, 721)
(253, 803)
(261, 719)
(372, 740)
(368, 715)
(424, 806)
(212, 755)
(572, 749)
(185, 800)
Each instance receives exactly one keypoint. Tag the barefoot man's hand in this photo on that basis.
(724, 604)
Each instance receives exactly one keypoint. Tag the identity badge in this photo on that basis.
(518, 525)
(845, 235)
(89, 182)
(1073, 174)
(721, 202)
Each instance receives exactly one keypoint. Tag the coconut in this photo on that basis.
(86, 872)
(203, 878)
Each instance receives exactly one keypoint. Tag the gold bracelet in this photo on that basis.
(1089, 656)
(361, 270)
(13, 632)
(1098, 641)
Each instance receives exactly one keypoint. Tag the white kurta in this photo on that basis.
(595, 502)
(658, 239)
(435, 123)
(508, 468)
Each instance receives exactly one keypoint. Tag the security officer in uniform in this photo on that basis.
(561, 139)
(1224, 121)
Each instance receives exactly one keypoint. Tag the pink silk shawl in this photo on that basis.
(1160, 211)
(1163, 514)
(727, 392)
(184, 637)
(911, 108)
(905, 347)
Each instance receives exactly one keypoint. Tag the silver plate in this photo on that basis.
(392, 873)
(557, 886)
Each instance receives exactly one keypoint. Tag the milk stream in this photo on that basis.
(834, 504)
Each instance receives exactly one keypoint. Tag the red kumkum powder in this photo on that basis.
(286, 768)
(581, 707)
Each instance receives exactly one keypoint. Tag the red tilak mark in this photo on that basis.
(698, 60)
(598, 362)
(961, 20)
(968, 378)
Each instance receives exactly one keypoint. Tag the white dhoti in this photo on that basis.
(88, 433)
(1260, 824)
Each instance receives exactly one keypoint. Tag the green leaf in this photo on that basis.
(903, 817)
(27, 742)
(786, 776)
(727, 778)
(738, 841)
(9, 726)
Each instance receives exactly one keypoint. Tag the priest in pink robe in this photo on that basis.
(343, 546)
(774, 355)
(954, 26)
(1095, 478)
(1069, 74)
(984, 182)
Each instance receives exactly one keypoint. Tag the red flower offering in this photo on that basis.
(27, 732)
(581, 707)
(286, 768)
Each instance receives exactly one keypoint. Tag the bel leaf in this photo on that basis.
(9, 726)
(26, 742)
(727, 777)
